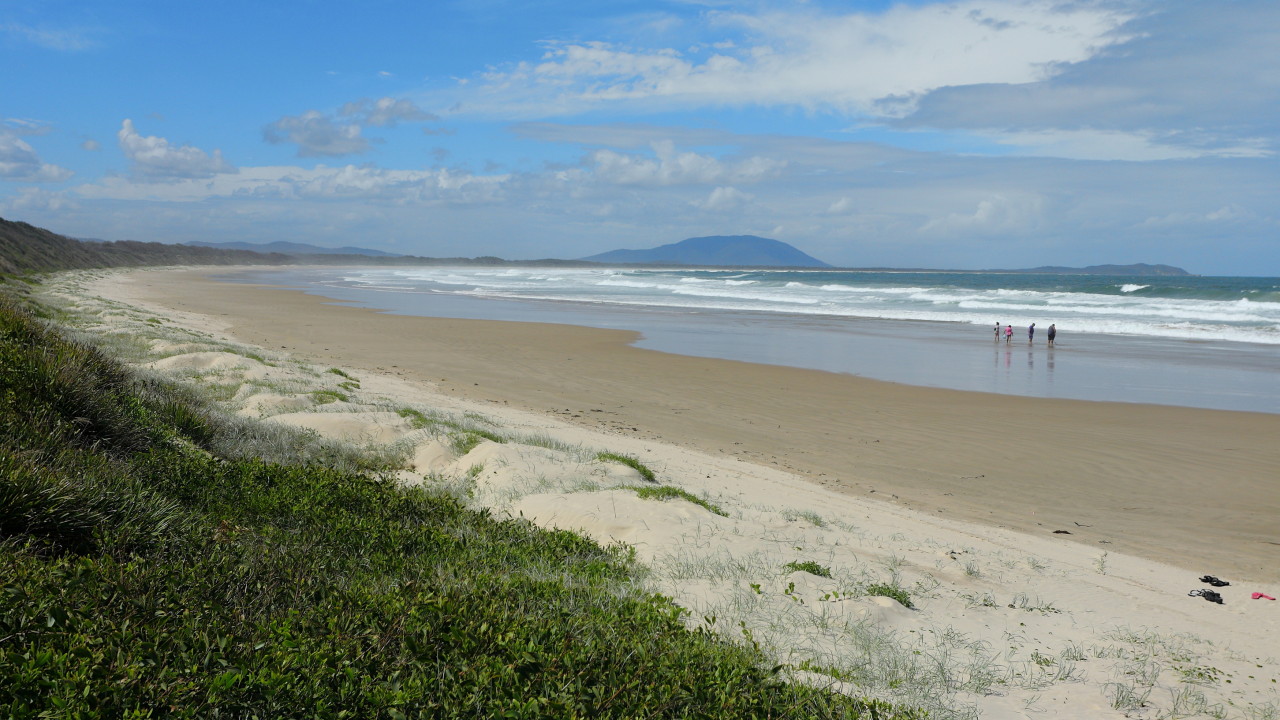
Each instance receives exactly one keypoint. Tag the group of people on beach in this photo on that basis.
(1007, 332)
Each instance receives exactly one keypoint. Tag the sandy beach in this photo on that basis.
(1049, 545)
(1190, 487)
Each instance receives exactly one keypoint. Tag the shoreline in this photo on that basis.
(1187, 487)
(1180, 372)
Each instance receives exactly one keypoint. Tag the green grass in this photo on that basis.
(630, 462)
(891, 591)
(160, 560)
(417, 419)
(810, 567)
(668, 492)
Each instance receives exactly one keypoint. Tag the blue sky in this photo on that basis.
(980, 134)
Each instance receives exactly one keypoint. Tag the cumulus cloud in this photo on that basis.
(386, 112)
(317, 134)
(155, 158)
(724, 198)
(19, 161)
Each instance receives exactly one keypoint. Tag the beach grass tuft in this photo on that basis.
(670, 492)
(808, 566)
(891, 590)
(629, 461)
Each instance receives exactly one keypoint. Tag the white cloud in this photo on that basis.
(668, 166)
(32, 199)
(19, 161)
(1187, 79)
(1090, 144)
(65, 39)
(386, 112)
(321, 183)
(997, 214)
(155, 158)
(857, 64)
(840, 206)
(1224, 214)
(724, 198)
(316, 135)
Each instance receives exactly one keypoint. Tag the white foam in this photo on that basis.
(773, 292)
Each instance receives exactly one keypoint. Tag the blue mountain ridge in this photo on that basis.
(716, 250)
(293, 248)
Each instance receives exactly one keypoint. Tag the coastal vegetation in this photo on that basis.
(631, 462)
(159, 559)
(668, 492)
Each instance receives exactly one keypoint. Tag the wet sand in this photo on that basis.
(1194, 488)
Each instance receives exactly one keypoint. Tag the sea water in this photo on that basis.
(1178, 340)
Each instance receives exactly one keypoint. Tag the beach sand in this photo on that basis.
(1195, 488)
(958, 497)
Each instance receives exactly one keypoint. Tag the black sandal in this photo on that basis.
(1214, 581)
(1209, 595)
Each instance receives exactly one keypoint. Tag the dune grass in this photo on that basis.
(630, 462)
(160, 560)
(669, 492)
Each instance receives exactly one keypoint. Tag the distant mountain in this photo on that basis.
(717, 250)
(1135, 269)
(293, 248)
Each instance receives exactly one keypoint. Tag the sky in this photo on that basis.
(969, 134)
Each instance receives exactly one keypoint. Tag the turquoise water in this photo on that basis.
(1192, 341)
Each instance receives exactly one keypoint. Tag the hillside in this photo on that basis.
(27, 248)
(717, 250)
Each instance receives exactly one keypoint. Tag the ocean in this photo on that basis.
(1196, 341)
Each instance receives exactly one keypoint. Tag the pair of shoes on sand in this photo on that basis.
(1210, 595)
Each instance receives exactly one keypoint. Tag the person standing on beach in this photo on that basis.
(997, 332)
(1031, 333)
(1008, 334)
(1053, 332)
